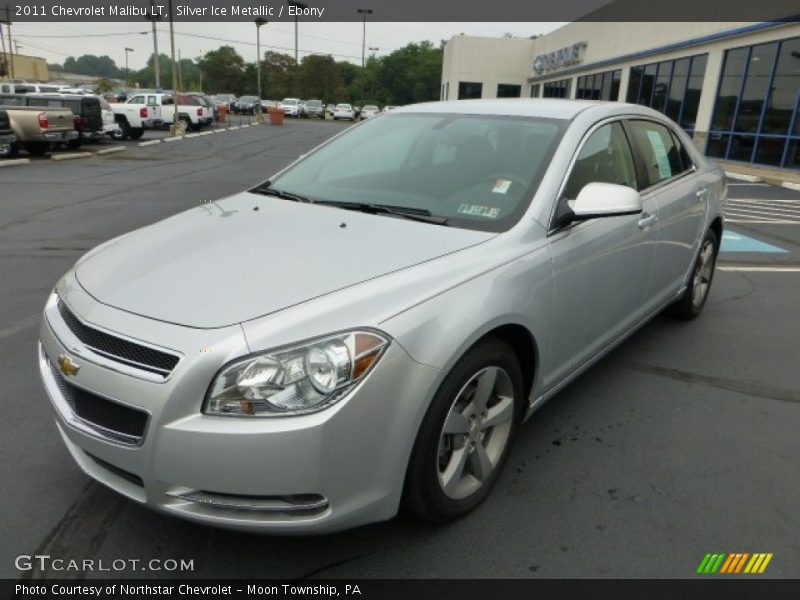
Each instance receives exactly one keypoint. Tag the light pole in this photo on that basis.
(259, 22)
(301, 6)
(364, 12)
(127, 50)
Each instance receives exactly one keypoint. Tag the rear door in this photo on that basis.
(600, 266)
(153, 108)
(672, 184)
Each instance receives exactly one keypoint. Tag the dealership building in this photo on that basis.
(734, 87)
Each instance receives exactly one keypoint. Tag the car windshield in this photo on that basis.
(343, 106)
(478, 172)
(248, 99)
(290, 101)
(370, 107)
(314, 103)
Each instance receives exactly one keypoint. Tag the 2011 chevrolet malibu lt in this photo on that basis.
(368, 328)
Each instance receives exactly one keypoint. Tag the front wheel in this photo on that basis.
(691, 303)
(135, 132)
(466, 434)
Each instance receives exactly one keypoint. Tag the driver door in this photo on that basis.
(601, 266)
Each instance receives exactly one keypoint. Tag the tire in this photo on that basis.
(691, 303)
(135, 132)
(73, 144)
(187, 123)
(436, 489)
(124, 132)
(36, 148)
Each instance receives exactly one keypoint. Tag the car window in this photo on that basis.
(136, 100)
(152, 101)
(659, 152)
(606, 158)
(477, 171)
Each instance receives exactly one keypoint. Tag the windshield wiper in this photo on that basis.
(266, 190)
(413, 214)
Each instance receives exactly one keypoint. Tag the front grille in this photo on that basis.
(108, 418)
(118, 349)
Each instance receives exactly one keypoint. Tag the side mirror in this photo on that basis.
(597, 200)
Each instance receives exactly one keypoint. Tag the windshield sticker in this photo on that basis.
(501, 186)
(478, 210)
(662, 161)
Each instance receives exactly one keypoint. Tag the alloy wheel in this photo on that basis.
(703, 273)
(475, 432)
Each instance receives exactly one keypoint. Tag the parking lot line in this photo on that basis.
(758, 269)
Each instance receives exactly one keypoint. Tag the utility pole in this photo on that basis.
(176, 126)
(364, 12)
(259, 22)
(180, 73)
(156, 61)
(127, 80)
(10, 42)
(16, 46)
(301, 6)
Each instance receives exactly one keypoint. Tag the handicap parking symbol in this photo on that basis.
(736, 242)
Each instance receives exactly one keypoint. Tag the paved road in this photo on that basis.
(683, 441)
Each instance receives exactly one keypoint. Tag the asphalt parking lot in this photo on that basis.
(681, 442)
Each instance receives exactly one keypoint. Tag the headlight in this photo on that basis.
(295, 380)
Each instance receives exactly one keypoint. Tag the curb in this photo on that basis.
(742, 177)
(189, 136)
(113, 150)
(791, 186)
(172, 139)
(14, 162)
(149, 143)
(71, 156)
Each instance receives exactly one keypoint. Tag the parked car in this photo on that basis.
(209, 115)
(36, 128)
(329, 108)
(315, 108)
(224, 100)
(142, 111)
(344, 111)
(387, 108)
(7, 137)
(110, 125)
(192, 112)
(10, 87)
(291, 107)
(497, 250)
(247, 105)
(89, 123)
(370, 110)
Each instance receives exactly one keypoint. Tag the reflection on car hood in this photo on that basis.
(249, 255)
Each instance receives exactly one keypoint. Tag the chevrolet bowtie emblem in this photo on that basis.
(67, 366)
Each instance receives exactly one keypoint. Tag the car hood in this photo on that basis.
(249, 255)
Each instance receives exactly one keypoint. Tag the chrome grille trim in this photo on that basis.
(61, 396)
(115, 348)
(294, 504)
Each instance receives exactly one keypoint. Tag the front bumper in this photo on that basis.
(328, 471)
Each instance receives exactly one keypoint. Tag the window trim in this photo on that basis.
(638, 158)
(552, 229)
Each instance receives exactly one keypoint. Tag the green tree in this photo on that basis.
(223, 71)
(97, 66)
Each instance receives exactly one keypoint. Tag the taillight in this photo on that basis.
(143, 112)
(43, 122)
(199, 112)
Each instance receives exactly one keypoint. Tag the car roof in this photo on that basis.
(548, 108)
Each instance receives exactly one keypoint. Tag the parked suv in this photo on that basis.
(315, 108)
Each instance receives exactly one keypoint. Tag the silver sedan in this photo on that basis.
(368, 328)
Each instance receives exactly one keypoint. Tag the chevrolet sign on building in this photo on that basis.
(571, 55)
(732, 86)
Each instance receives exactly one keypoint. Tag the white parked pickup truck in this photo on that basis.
(142, 111)
(193, 116)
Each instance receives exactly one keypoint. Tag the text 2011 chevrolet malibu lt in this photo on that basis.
(369, 327)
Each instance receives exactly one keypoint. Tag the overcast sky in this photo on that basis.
(57, 41)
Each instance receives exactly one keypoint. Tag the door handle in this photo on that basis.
(701, 194)
(647, 221)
